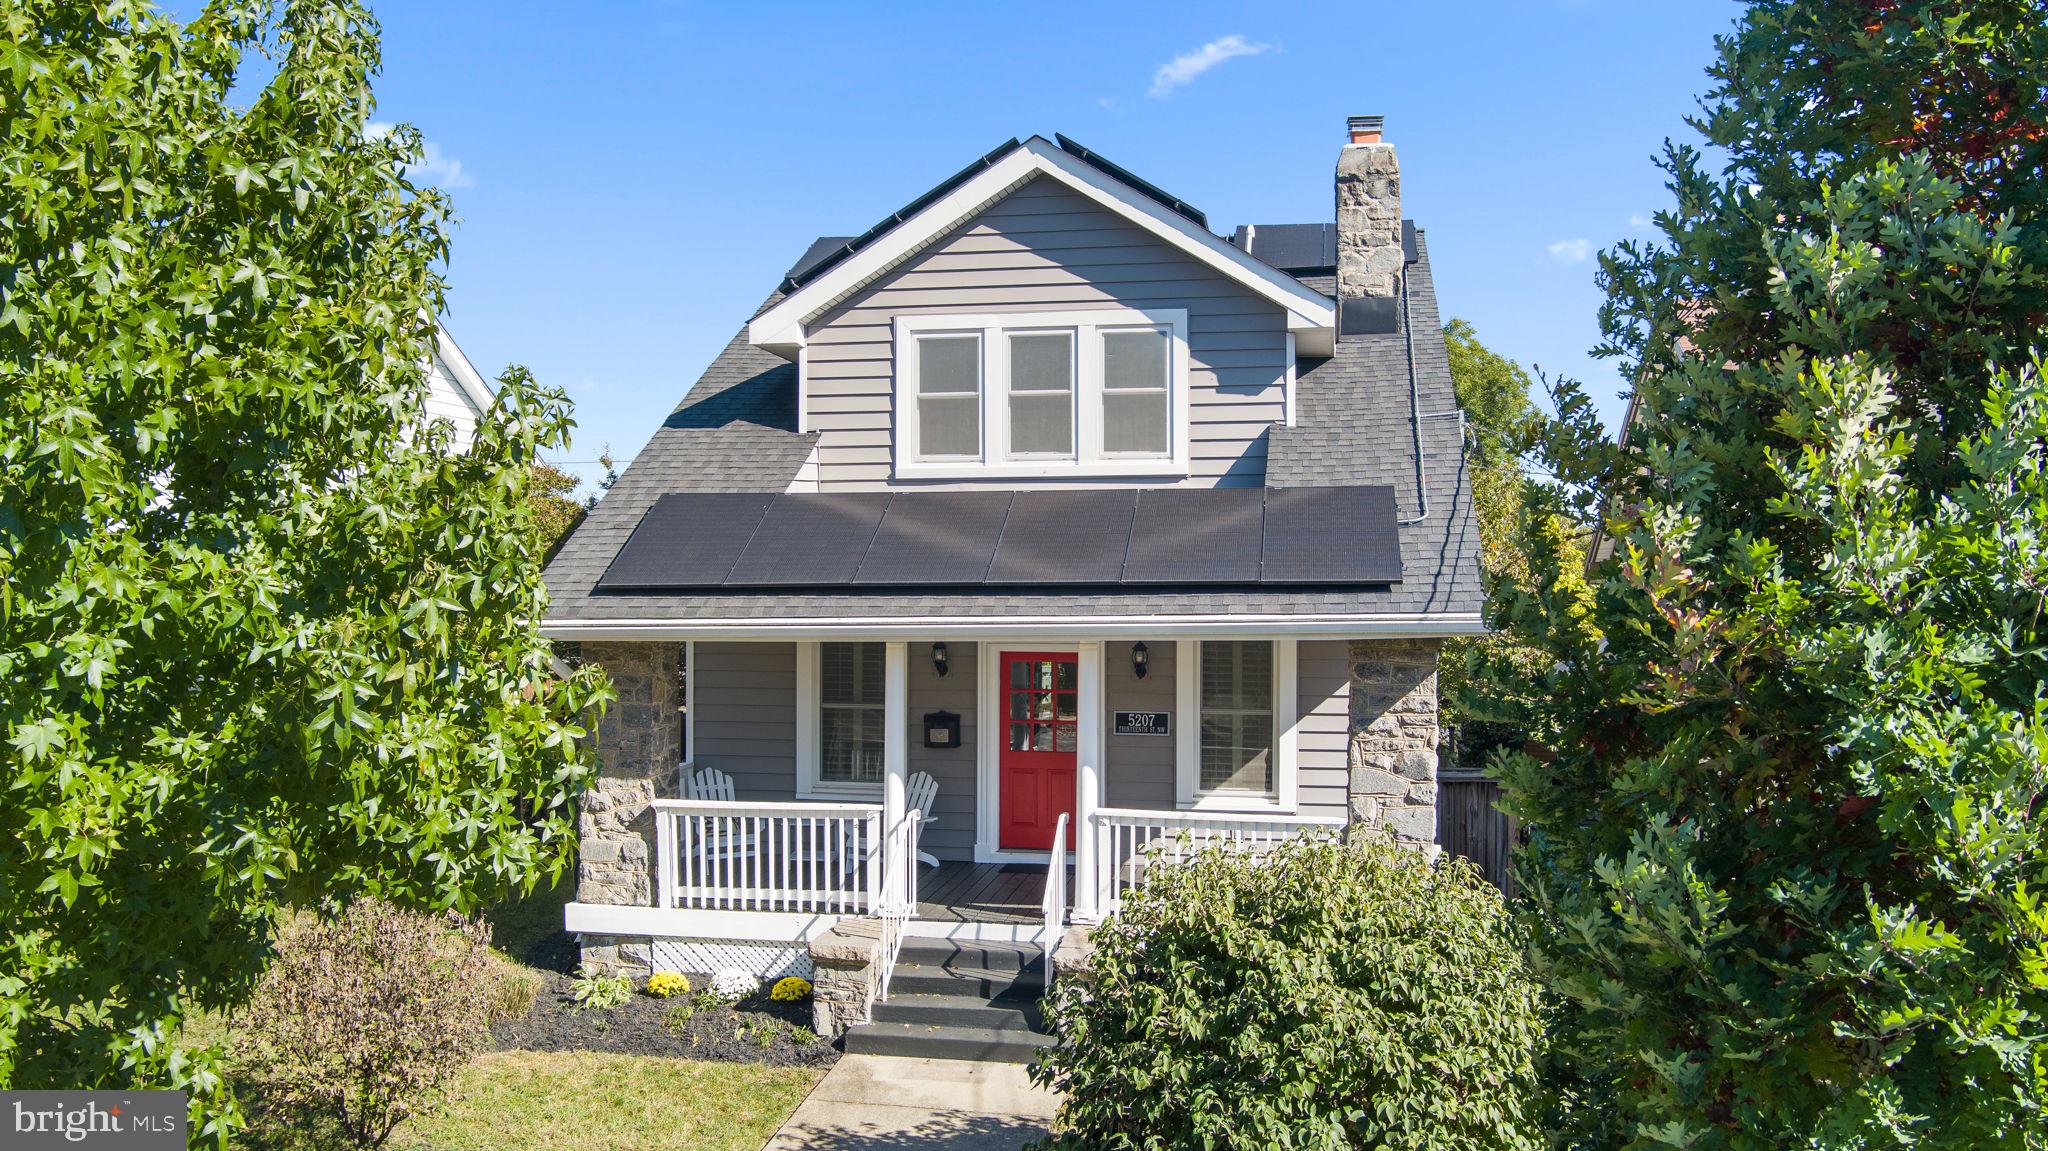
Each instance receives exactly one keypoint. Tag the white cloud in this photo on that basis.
(435, 167)
(1571, 251)
(1107, 102)
(1183, 69)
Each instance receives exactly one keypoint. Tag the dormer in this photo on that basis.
(1043, 316)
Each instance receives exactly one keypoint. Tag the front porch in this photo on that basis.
(763, 799)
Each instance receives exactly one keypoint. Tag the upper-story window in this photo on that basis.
(1090, 393)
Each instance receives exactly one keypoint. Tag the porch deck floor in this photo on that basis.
(984, 892)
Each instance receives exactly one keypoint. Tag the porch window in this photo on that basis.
(1237, 716)
(850, 724)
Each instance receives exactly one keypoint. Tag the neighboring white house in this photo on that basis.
(456, 391)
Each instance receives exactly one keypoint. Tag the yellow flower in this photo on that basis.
(790, 990)
(663, 984)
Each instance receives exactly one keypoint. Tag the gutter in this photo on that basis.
(1433, 625)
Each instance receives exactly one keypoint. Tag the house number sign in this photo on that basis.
(1143, 723)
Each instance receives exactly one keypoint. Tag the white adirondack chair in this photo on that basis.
(921, 794)
(708, 783)
(711, 783)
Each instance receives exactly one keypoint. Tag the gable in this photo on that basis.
(1044, 248)
(784, 327)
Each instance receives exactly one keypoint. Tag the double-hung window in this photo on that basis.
(1090, 393)
(840, 696)
(1237, 750)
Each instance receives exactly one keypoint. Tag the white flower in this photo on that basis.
(733, 985)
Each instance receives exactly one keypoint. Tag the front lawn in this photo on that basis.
(592, 1101)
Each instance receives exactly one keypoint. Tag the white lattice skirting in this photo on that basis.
(709, 956)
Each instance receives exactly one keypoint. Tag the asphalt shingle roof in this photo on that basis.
(734, 431)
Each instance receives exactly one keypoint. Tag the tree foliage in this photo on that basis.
(1501, 429)
(1787, 834)
(265, 639)
(1324, 995)
(550, 493)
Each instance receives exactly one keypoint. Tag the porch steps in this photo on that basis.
(970, 1000)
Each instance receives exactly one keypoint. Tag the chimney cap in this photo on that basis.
(1366, 129)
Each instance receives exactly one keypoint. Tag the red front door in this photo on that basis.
(1038, 710)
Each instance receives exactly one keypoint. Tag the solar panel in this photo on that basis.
(1157, 537)
(936, 538)
(814, 539)
(687, 540)
(1331, 535)
(1065, 537)
(1195, 535)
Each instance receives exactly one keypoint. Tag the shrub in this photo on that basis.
(663, 984)
(365, 1015)
(681, 1012)
(1325, 995)
(732, 985)
(512, 988)
(790, 990)
(590, 991)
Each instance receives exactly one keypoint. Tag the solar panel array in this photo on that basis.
(1124, 537)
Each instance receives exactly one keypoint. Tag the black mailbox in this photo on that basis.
(941, 729)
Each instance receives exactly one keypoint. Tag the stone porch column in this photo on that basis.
(639, 744)
(1393, 737)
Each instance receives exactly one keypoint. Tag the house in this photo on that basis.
(455, 391)
(1028, 531)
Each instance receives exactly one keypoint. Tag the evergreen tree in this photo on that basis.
(1786, 783)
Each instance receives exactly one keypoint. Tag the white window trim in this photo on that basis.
(810, 697)
(1089, 460)
(1285, 796)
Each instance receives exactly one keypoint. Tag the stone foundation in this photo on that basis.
(639, 743)
(848, 959)
(1393, 738)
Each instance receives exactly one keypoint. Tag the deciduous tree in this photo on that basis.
(264, 638)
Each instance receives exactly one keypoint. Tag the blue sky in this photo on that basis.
(633, 177)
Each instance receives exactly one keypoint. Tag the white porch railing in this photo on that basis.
(1055, 901)
(718, 855)
(893, 914)
(1128, 841)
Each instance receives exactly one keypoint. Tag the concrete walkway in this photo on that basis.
(897, 1103)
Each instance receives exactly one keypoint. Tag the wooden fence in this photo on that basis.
(1469, 824)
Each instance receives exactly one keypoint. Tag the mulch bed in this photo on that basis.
(757, 1030)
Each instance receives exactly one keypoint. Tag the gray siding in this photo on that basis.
(1323, 725)
(1140, 767)
(952, 837)
(1044, 247)
(745, 702)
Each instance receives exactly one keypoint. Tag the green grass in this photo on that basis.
(588, 1101)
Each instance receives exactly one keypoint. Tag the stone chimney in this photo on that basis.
(1369, 255)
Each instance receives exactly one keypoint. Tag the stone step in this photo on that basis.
(1017, 1012)
(986, 1044)
(970, 954)
(981, 983)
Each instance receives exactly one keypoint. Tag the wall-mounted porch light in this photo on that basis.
(939, 658)
(1139, 659)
